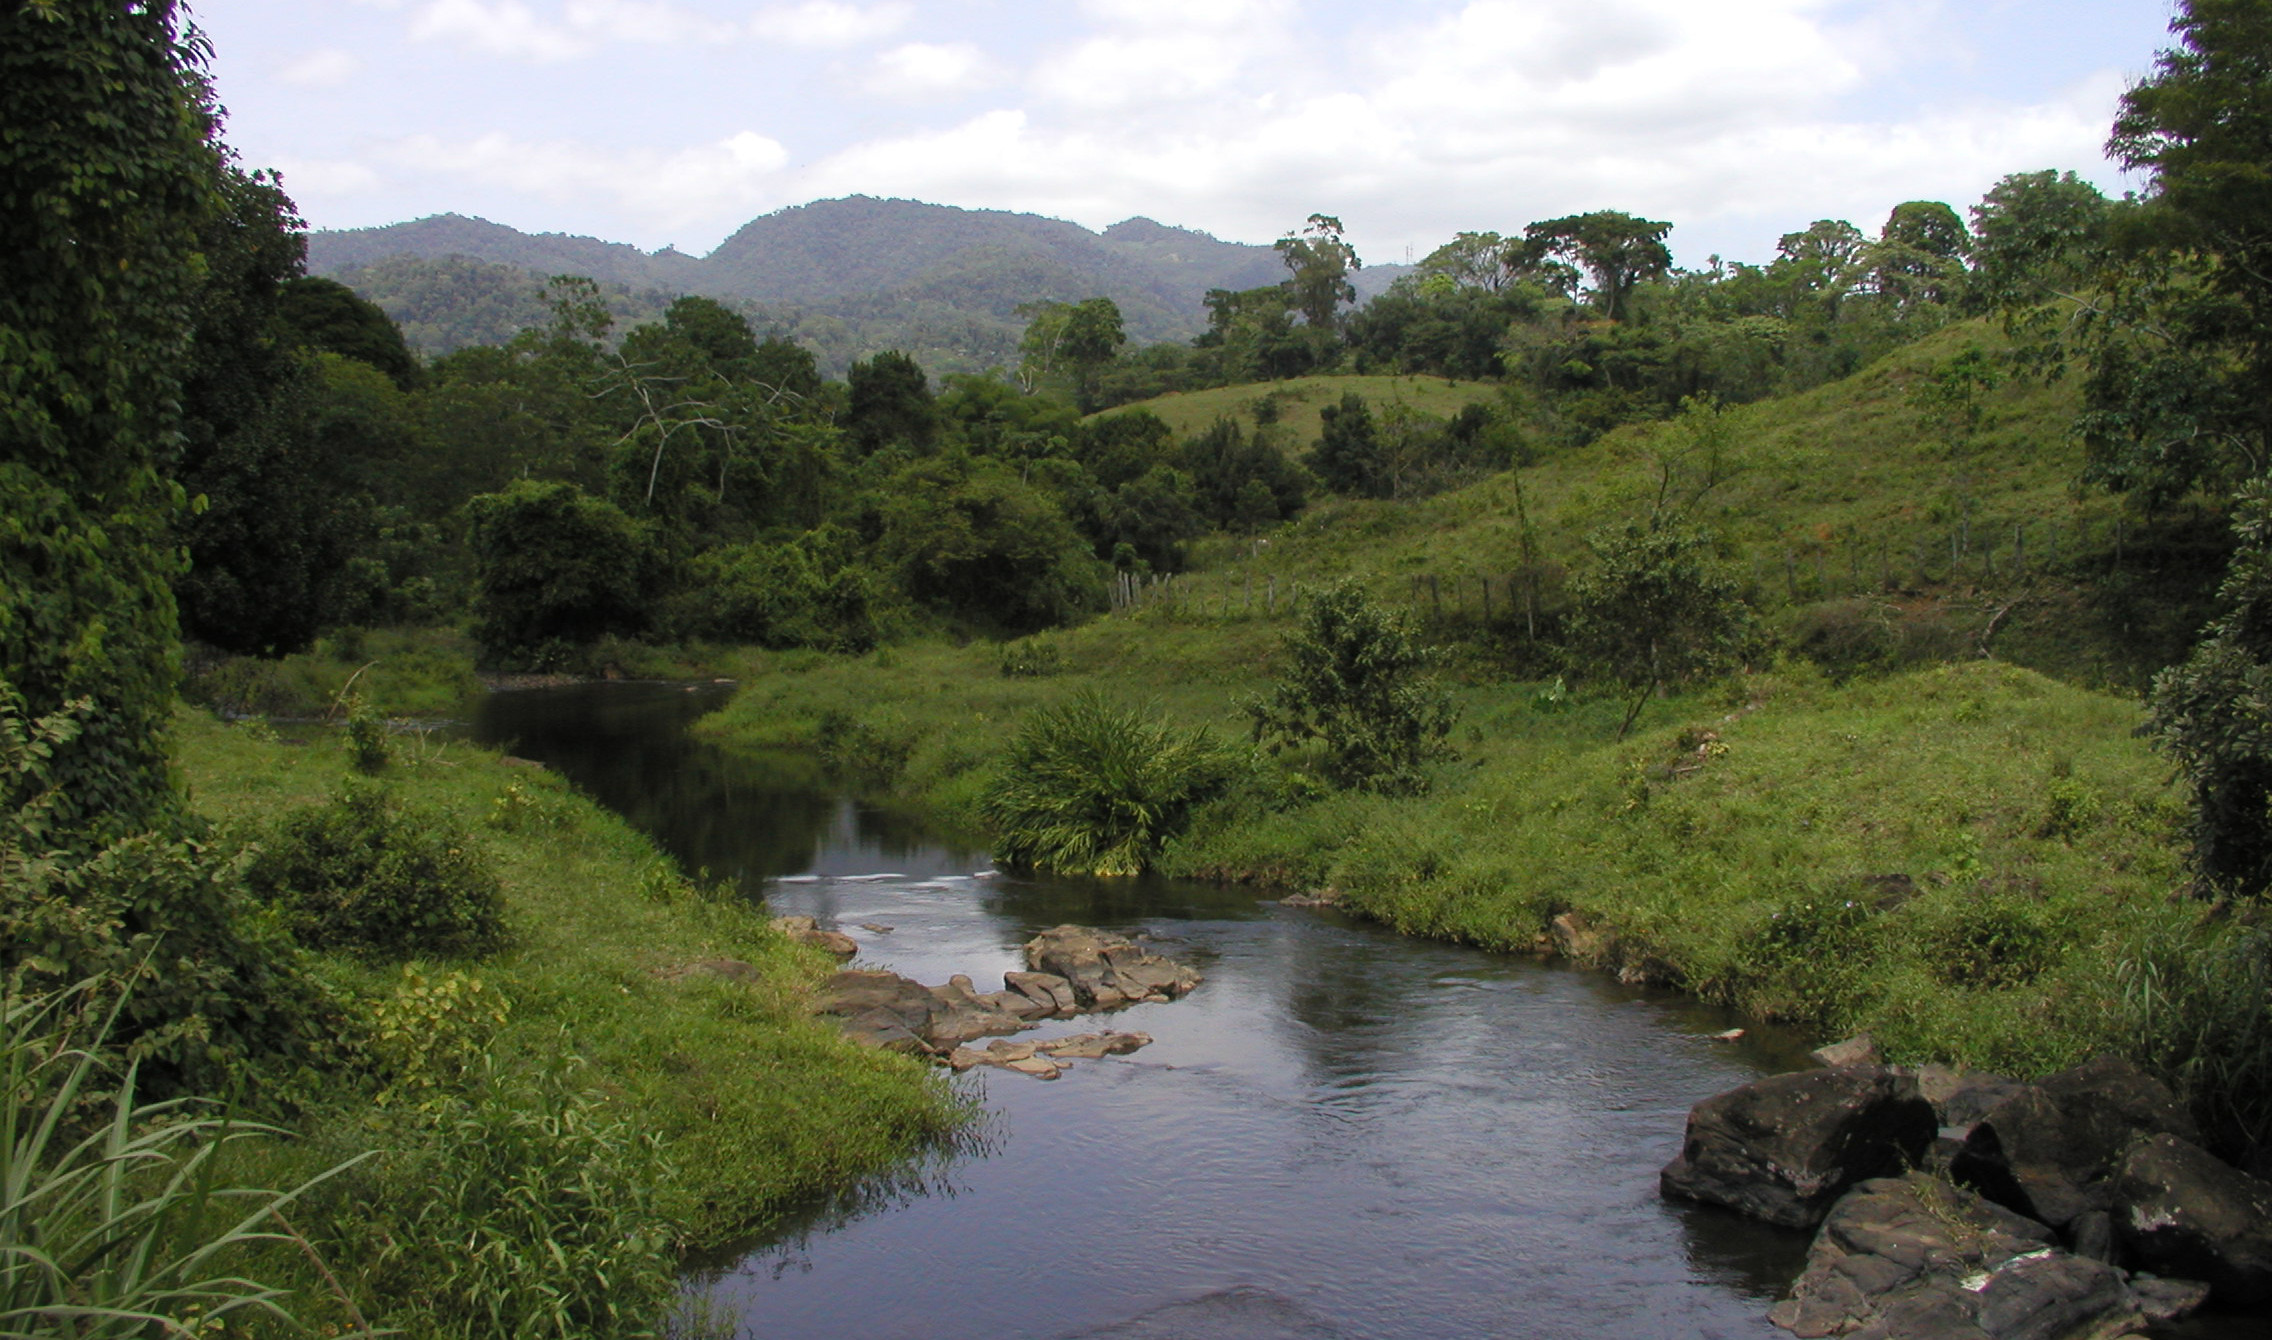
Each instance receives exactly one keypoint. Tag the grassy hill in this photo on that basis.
(1297, 401)
(1847, 510)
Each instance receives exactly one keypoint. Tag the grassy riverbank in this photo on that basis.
(1969, 860)
(604, 1081)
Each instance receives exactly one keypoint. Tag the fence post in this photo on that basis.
(1486, 580)
(1435, 598)
(1274, 594)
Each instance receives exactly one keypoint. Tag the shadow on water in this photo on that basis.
(1342, 1133)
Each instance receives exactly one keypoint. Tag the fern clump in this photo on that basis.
(1090, 788)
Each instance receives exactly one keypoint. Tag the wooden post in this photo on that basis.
(2019, 548)
(1273, 595)
(1435, 598)
(1486, 580)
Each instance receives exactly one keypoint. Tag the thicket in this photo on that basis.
(367, 874)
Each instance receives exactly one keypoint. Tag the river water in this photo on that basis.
(1342, 1133)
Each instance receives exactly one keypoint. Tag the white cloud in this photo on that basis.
(824, 23)
(311, 178)
(929, 70)
(730, 178)
(512, 28)
(328, 68)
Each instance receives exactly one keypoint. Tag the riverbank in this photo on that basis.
(1973, 862)
(640, 1059)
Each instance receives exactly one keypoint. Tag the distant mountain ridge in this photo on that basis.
(868, 266)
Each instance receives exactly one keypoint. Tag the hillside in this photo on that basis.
(1846, 509)
(851, 276)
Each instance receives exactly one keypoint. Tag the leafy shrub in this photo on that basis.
(1997, 941)
(1093, 789)
(367, 749)
(369, 874)
(429, 1032)
(556, 568)
(1354, 685)
(1807, 961)
(1029, 659)
(210, 986)
(522, 1210)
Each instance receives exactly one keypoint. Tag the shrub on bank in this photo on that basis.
(1093, 789)
(369, 874)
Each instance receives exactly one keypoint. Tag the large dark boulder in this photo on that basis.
(1915, 1258)
(1784, 1149)
(2180, 1211)
(2047, 1149)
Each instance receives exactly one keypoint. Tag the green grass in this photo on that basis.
(754, 1106)
(1300, 399)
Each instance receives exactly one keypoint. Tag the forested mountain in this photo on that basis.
(848, 277)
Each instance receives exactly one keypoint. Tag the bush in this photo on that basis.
(1093, 789)
(557, 567)
(1030, 659)
(1354, 686)
(521, 1210)
(2196, 1014)
(369, 874)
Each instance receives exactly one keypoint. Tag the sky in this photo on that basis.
(673, 122)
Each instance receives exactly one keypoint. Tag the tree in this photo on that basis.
(326, 315)
(107, 177)
(891, 405)
(1471, 260)
(1079, 338)
(1349, 457)
(1918, 258)
(1653, 613)
(1321, 264)
(1353, 683)
(2202, 125)
(555, 569)
(2031, 238)
(1617, 251)
(2213, 714)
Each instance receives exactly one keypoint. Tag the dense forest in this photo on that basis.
(1843, 496)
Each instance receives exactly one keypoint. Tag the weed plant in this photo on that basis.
(1089, 788)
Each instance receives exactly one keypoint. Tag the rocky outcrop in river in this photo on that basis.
(2080, 1205)
(1074, 971)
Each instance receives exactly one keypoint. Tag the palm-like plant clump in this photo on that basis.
(1090, 788)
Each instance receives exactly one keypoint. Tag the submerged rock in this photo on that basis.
(1784, 1148)
(1914, 1257)
(1047, 1059)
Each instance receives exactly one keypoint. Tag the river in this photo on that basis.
(1343, 1134)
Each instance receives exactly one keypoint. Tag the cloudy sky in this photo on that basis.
(674, 121)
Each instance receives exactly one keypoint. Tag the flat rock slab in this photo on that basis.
(1785, 1148)
(1916, 1258)
(1048, 1058)
(806, 931)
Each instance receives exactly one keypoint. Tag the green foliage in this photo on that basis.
(1654, 612)
(2192, 1009)
(213, 990)
(1617, 252)
(1354, 685)
(109, 177)
(118, 1224)
(969, 538)
(556, 568)
(1320, 263)
(371, 875)
(779, 595)
(1089, 788)
(1807, 962)
(546, 1201)
(890, 405)
(1030, 658)
(366, 736)
(326, 315)
(430, 1034)
(2213, 714)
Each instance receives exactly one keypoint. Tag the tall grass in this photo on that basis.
(1089, 788)
(114, 1218)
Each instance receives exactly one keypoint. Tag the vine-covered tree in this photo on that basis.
(107, 177)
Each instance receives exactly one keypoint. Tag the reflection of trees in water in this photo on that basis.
(1116, 904)
(1740, 1253)
(1350, 1007)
